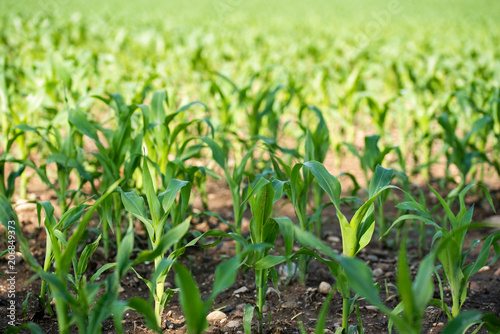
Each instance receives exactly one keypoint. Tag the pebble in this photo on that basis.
(324, 288)
(243, 289)
(121, 289)
(216, 316)
(497, 272)
(372, 257)
(233, 324)
(240, 307)
(377, 272)
(333, 239)
(271, 290)
(493, 219)
(485, 268)
(474, 287)
(371, 308)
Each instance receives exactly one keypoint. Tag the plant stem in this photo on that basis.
(345, 314)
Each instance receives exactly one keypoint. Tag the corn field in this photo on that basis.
(250, 167)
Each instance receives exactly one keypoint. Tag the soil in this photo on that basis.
(295, 301)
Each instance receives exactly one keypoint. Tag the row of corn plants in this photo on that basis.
(144, 165)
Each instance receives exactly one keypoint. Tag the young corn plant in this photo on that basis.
(357, 233)
(316, 147)
(239, 194)
(62, 252)
(195, 309)
(463, 152)
(118, 158)
(159, 231)
(369, 160)
(452, 255)
(84, 307)
(262, 230)
(7, 185)
(415, 296)
(66, 156)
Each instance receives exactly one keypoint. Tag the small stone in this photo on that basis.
(324, 288)
(233, 324)
(223, 321)
(485, 268)
(264, 308)
(371, 308)
(473, 286)
(169, 314)
(327, 331)
(377, 272)
(270, 291)
(167, 285)
(372, 257)
(216, 316)
(493, 220)
(333, 239)
(240, 307)
(497, 272)
(121, 289)
(243, 289)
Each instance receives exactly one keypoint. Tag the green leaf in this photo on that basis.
(381, 178)
(7, 213)
(218, 154)
(462, 322)
(225, 276)
(86, 254)
(142, 307)
(269, 261)
(247, 318)
(101, 270)
(134, 204)
(124, 252)
(166, 241)
(320, 325)
(167, 197)
(404, 284)
(190, 300)
(79, 120)
(149, 189)
(327, 181)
